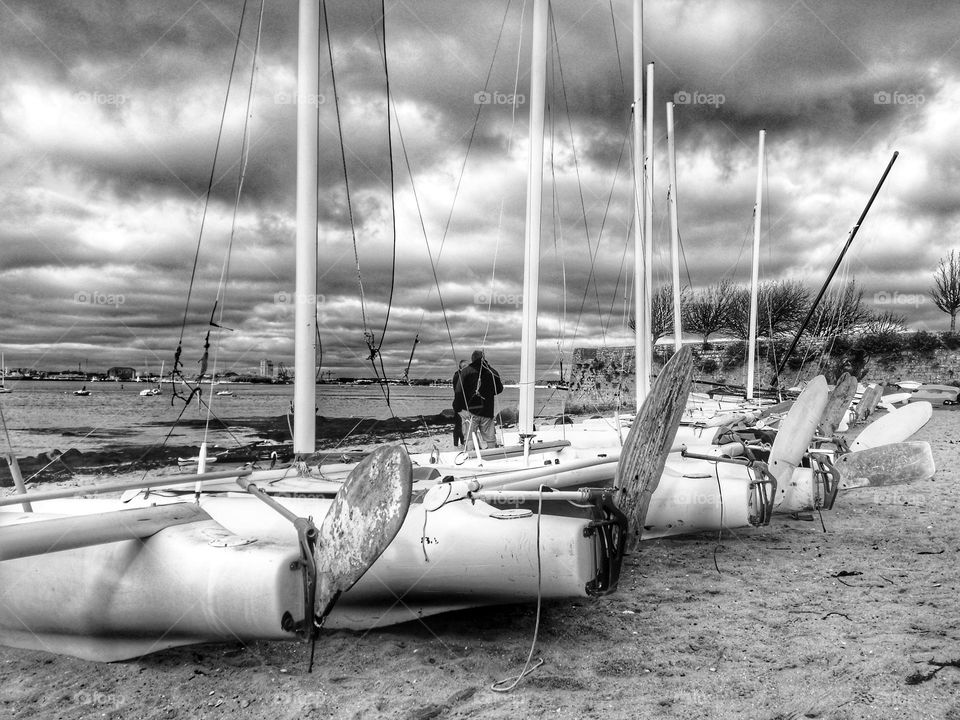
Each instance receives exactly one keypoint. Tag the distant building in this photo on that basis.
(65, 375)
(266, 369)
(123, 374)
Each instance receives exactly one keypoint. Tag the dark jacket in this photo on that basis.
(478, 397)
(459, 403)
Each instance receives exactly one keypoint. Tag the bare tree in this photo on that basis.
(946, 291)
(661, 312)
(780, 307)
(839, 312)
(885, 322)
(707, 311)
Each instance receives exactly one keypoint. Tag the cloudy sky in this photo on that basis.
(111, 111)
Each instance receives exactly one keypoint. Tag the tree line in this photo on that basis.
(783, 304)
(724, 309)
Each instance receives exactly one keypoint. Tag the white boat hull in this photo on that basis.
(129, 598)
(198, 583)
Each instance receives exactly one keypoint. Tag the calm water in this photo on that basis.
(45, 415)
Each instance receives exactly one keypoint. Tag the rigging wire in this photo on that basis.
(593, 252)
(626, 276)
(576, 163)
(623, 259)
(508, 684)
(719, 546)
(206, 205)
(434, 259)
(603, 224)
(373, 346)
(221, 297)
(343, 162)
(616, 46)
(393, 199)
(461, 174)
(555, 215)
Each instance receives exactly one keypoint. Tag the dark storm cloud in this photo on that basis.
(111, 116)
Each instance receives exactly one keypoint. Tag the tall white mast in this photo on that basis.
(674, 230)
(305, 330)
(531, 265)
(755, 273)
(640, 290)
(648, 229)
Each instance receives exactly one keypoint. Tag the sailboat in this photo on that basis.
(109, 579)
(153, 391)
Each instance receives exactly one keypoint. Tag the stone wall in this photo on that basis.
(940, 367)
(601, 377)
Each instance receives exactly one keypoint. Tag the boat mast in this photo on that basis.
(531, 265)
(674, 230)
(648, 229)
(643, 183)
(305, 306)
(755, 273)
(836, 265)
(640, 290)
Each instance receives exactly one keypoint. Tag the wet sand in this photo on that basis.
(272, 435)
(796, 623)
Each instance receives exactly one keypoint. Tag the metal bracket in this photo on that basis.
(307, 534)
(764, 492)
(610, 526)
(827, 478)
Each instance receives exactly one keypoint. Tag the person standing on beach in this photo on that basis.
(479, 383)
(458, 406)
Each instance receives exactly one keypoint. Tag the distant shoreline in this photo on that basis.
(436, 382)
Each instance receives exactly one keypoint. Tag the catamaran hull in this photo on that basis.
(698, 496)
(203, 582)
(129, 598)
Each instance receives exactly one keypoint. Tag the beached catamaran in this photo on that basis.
(109, 579)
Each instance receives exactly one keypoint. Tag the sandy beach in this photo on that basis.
(785, 621)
